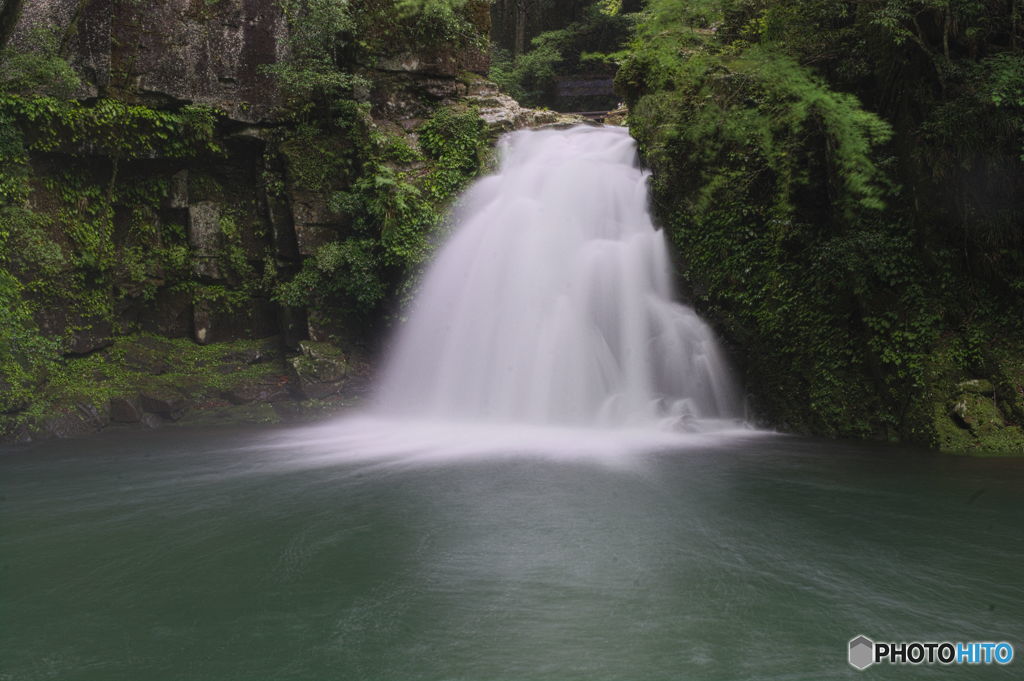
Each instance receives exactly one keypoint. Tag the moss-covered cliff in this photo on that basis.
(182, 175)
(844, 184)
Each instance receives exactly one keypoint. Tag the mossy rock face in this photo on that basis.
(974, 424)
(320, 370)
(249, 413)
(126, 410)
(977, 386)
(165, 401)
(74, 421)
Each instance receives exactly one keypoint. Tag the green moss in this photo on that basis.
(974, 425)
(316, 159)
(244, 413)
(146, 362)
(784, 195)
(976, 416)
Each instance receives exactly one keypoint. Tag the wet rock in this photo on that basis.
(978, 423)
(195, 388)
(81, 333)
(166, 402)
(176, 50)
(330, 325)
(267, 351)
(977, 412)
(204, 236)
(269, 389)
(97, 334)
(503, 114)
(319, 371)
(618, 116)
(177, 195)
(126, 410)
(311, 209)
(280, 217)
(75, 421)
(151, 421)
(215, 323)
(294, 326)
(170, 314)
(15, 431)
(310, 238)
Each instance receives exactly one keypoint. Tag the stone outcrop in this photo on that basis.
(319, 371)
(173, 50)
(502, 113)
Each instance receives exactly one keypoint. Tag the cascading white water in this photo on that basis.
(552, 302)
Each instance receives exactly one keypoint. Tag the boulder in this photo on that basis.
(503, 114)
(310, 208)
(319, 371)
(126, 410)
(165, 402)
(74, 421)
(151, 421)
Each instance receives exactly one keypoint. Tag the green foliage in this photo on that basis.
(817, 197)
(330, 40)
(393, 209)
(531, 77)
(111, 127)
(320, 31)
(444, 24)
(455, 141)
(348, 270)
(69, 256)
(317, 159)
(39, 70)
(26, 356)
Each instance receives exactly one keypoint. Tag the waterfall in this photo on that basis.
(552, 302)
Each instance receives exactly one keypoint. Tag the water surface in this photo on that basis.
(222, 554)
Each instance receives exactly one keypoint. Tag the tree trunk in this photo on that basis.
(521, 16)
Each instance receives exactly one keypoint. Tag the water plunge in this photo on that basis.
(552, 302)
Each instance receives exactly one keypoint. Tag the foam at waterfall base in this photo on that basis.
(371, 439)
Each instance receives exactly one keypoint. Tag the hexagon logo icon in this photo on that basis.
(862, 653)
